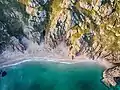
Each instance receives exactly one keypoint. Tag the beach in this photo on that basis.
(21, 59)
(51, 75)
(59, 54)
(57, 60)
(14, 58)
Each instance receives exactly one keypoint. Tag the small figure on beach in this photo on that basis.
(3, 73)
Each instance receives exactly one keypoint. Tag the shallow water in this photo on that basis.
(46, 75)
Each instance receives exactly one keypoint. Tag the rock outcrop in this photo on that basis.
(22, 21)
(110, 74)
(89, 27)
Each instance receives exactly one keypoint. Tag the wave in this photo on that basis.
(38, 59)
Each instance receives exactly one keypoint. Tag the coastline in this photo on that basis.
(58, 55)
(79, 59)
(57, 59)
(38, 59)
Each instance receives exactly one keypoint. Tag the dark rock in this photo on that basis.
(117, 80)
(4, 73)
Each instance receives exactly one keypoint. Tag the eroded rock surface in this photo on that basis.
(110, 74)
(89, 27)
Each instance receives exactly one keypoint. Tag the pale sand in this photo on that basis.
(16, 58)
(60, 55)
(21, 59)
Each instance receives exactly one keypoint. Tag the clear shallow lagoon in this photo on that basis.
(46, 75)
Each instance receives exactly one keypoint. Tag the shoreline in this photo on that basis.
(8, 62)
(65, 60)
(58, 55)
(38, 59)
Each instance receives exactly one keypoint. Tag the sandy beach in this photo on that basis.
(59, 55)
(57, 59)
(13, 58)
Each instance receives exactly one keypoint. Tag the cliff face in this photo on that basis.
(94, 23)
(89, 27)
(21, 25)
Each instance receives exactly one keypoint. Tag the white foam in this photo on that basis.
(38, 59)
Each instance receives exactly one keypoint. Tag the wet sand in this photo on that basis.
(60, 54)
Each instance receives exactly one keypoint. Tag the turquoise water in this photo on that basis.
(53, 76)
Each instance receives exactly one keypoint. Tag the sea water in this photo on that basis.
(47, 75)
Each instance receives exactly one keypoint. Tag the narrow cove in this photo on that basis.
(47, 75)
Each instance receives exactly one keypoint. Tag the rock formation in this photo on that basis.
(89, 27)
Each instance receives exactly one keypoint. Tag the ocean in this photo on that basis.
(48, 75)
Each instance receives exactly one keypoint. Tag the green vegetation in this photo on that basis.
(56, 8)
(101, 18)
